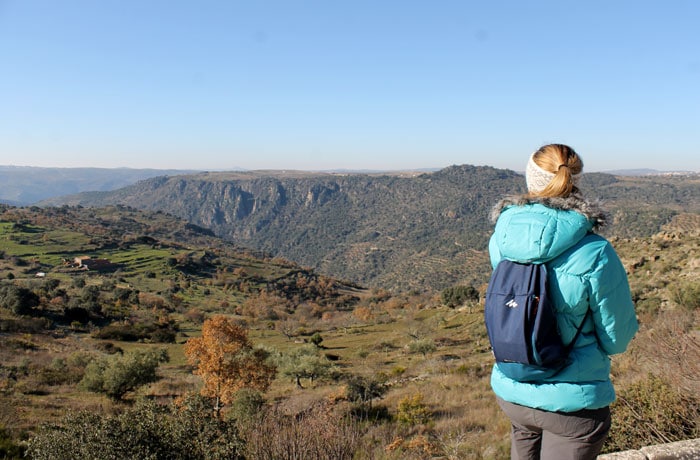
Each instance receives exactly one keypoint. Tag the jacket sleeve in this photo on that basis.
(494, 253)
(611, 302)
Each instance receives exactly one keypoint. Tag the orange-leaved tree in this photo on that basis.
(226, 360)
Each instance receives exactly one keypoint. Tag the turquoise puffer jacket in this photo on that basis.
(584, 273)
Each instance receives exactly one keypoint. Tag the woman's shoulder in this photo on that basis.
(591, 255)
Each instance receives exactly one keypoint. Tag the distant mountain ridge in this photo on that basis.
(647, 172)
(25, 185)
(398, 231)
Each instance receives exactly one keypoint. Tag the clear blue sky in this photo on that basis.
(377, 84)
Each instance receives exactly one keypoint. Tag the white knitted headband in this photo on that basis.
(537, 178)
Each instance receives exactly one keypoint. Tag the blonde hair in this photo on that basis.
(564, 164)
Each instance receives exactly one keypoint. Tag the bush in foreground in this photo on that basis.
(650, 412)
(116, 375)
(319, 432)
(147, 430)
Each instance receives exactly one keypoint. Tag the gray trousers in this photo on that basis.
(541, 435)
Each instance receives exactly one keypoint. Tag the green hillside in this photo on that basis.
(181, 266)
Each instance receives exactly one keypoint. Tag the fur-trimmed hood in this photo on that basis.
(593, 211)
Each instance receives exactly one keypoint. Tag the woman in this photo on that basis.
(566, 416)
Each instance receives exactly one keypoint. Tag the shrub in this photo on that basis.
(686, 295)
(195, 315)
(29, 325)
(21, 343)
(200, 433)
(154, 332)
(117, 374)
(362, 391)
(146, 430)
(649, 305)
(316, 339)
(79, 359)
(412, 410)
(246, 403)
(459, 295)
(148, 300)
(398, 370)
(125, 295)
(422, 346)
(88, 299)
(120, 332)
(650, 412)
(79, 282)
(8, 448)
(59, 372)
(109, 348)
(163, 335)
(474, 370)
(18, 299)
(76, 314)
(318, 433)
(304, 363)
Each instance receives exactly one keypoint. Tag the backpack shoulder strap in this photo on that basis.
(570, 346)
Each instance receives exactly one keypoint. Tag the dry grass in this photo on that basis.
(463, 422)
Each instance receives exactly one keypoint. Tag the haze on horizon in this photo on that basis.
(314, 85)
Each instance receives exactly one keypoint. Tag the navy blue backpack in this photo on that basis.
(521, 323)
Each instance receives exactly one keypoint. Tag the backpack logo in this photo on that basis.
(525, 341)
